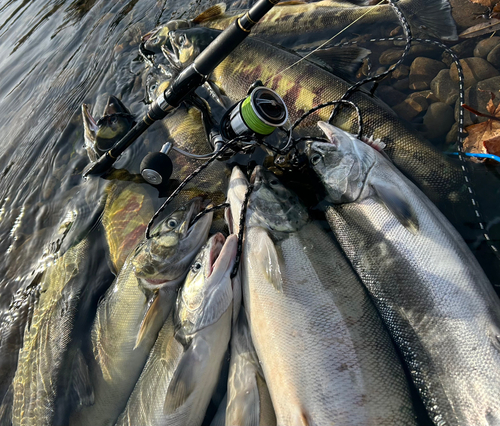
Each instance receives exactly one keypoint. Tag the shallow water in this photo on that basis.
(56, 55)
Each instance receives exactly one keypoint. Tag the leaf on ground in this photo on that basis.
(487, 27)
(488, 3)
(484, 137)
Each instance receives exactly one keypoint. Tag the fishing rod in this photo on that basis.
(186, 83)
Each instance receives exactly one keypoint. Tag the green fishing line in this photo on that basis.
(252, 120)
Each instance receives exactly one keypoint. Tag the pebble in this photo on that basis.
(401, 84)
(390, 95)
(494, 56)
(452, 135)
(445, 89)
(422, 71)
(485, 46)
(478, 97)
(464, 13)
(475, 69)
(401, 72)
(410, 108)
(462, 50)
(428, 95)
(438, 120)
(390, 56)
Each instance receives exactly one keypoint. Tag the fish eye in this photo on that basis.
(153, 87)
(274, 182)
(196, 266)
(315, 159)
(172, 223)
(155, 39)
(181, 39)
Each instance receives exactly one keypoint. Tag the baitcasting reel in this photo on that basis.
(256, 116)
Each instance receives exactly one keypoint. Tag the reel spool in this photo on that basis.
(258, 114)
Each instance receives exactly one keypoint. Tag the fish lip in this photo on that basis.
(173, 54)
(89, 121)
(216, 245)
(226, 259)
(114, 106)
(150, 34)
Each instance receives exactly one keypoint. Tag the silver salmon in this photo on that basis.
(436, 301)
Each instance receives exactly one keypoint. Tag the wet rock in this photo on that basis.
(494, 57)
(464, 49)
(410, 108)
(438, 120)
(478, 97)
(485, 46)
(425, 94)
(390, 56)
(401, 84)
(475, 69)
(445, 89)
(400, 72)
(390, 95)
(464, 13)
(452, 135)
(422, 71)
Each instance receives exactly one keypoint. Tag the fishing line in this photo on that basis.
(243, 215)
(461, 128)
(231, 143)
(208, 210)
(408, 36)
(328, 41)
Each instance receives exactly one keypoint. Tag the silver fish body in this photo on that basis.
(248, 399)
(432, 294)
(313, 326)
(134, 309)
(182, 370)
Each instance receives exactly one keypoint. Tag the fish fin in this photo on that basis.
(187, 374)
(267, 250)
(154, 307)
(342, 61)
(6, 407)
(211, 13)
(216, 93)
(394, 200)
(81, 385)
(434, 17)
(291, 3)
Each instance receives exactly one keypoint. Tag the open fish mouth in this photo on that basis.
(171, 51)
(89, 123)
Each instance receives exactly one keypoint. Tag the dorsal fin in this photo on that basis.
(211, 13)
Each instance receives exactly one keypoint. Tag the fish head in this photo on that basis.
(158, 80)
(102, 134)
(164, 258)
(187, 44)
(154, 40)
(342, 164)
(273, 205)
(207, 290)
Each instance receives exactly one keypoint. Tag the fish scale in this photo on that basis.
(435, 299)
(321, 389)
(326, 356)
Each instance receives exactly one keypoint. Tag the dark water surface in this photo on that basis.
(56, 55)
